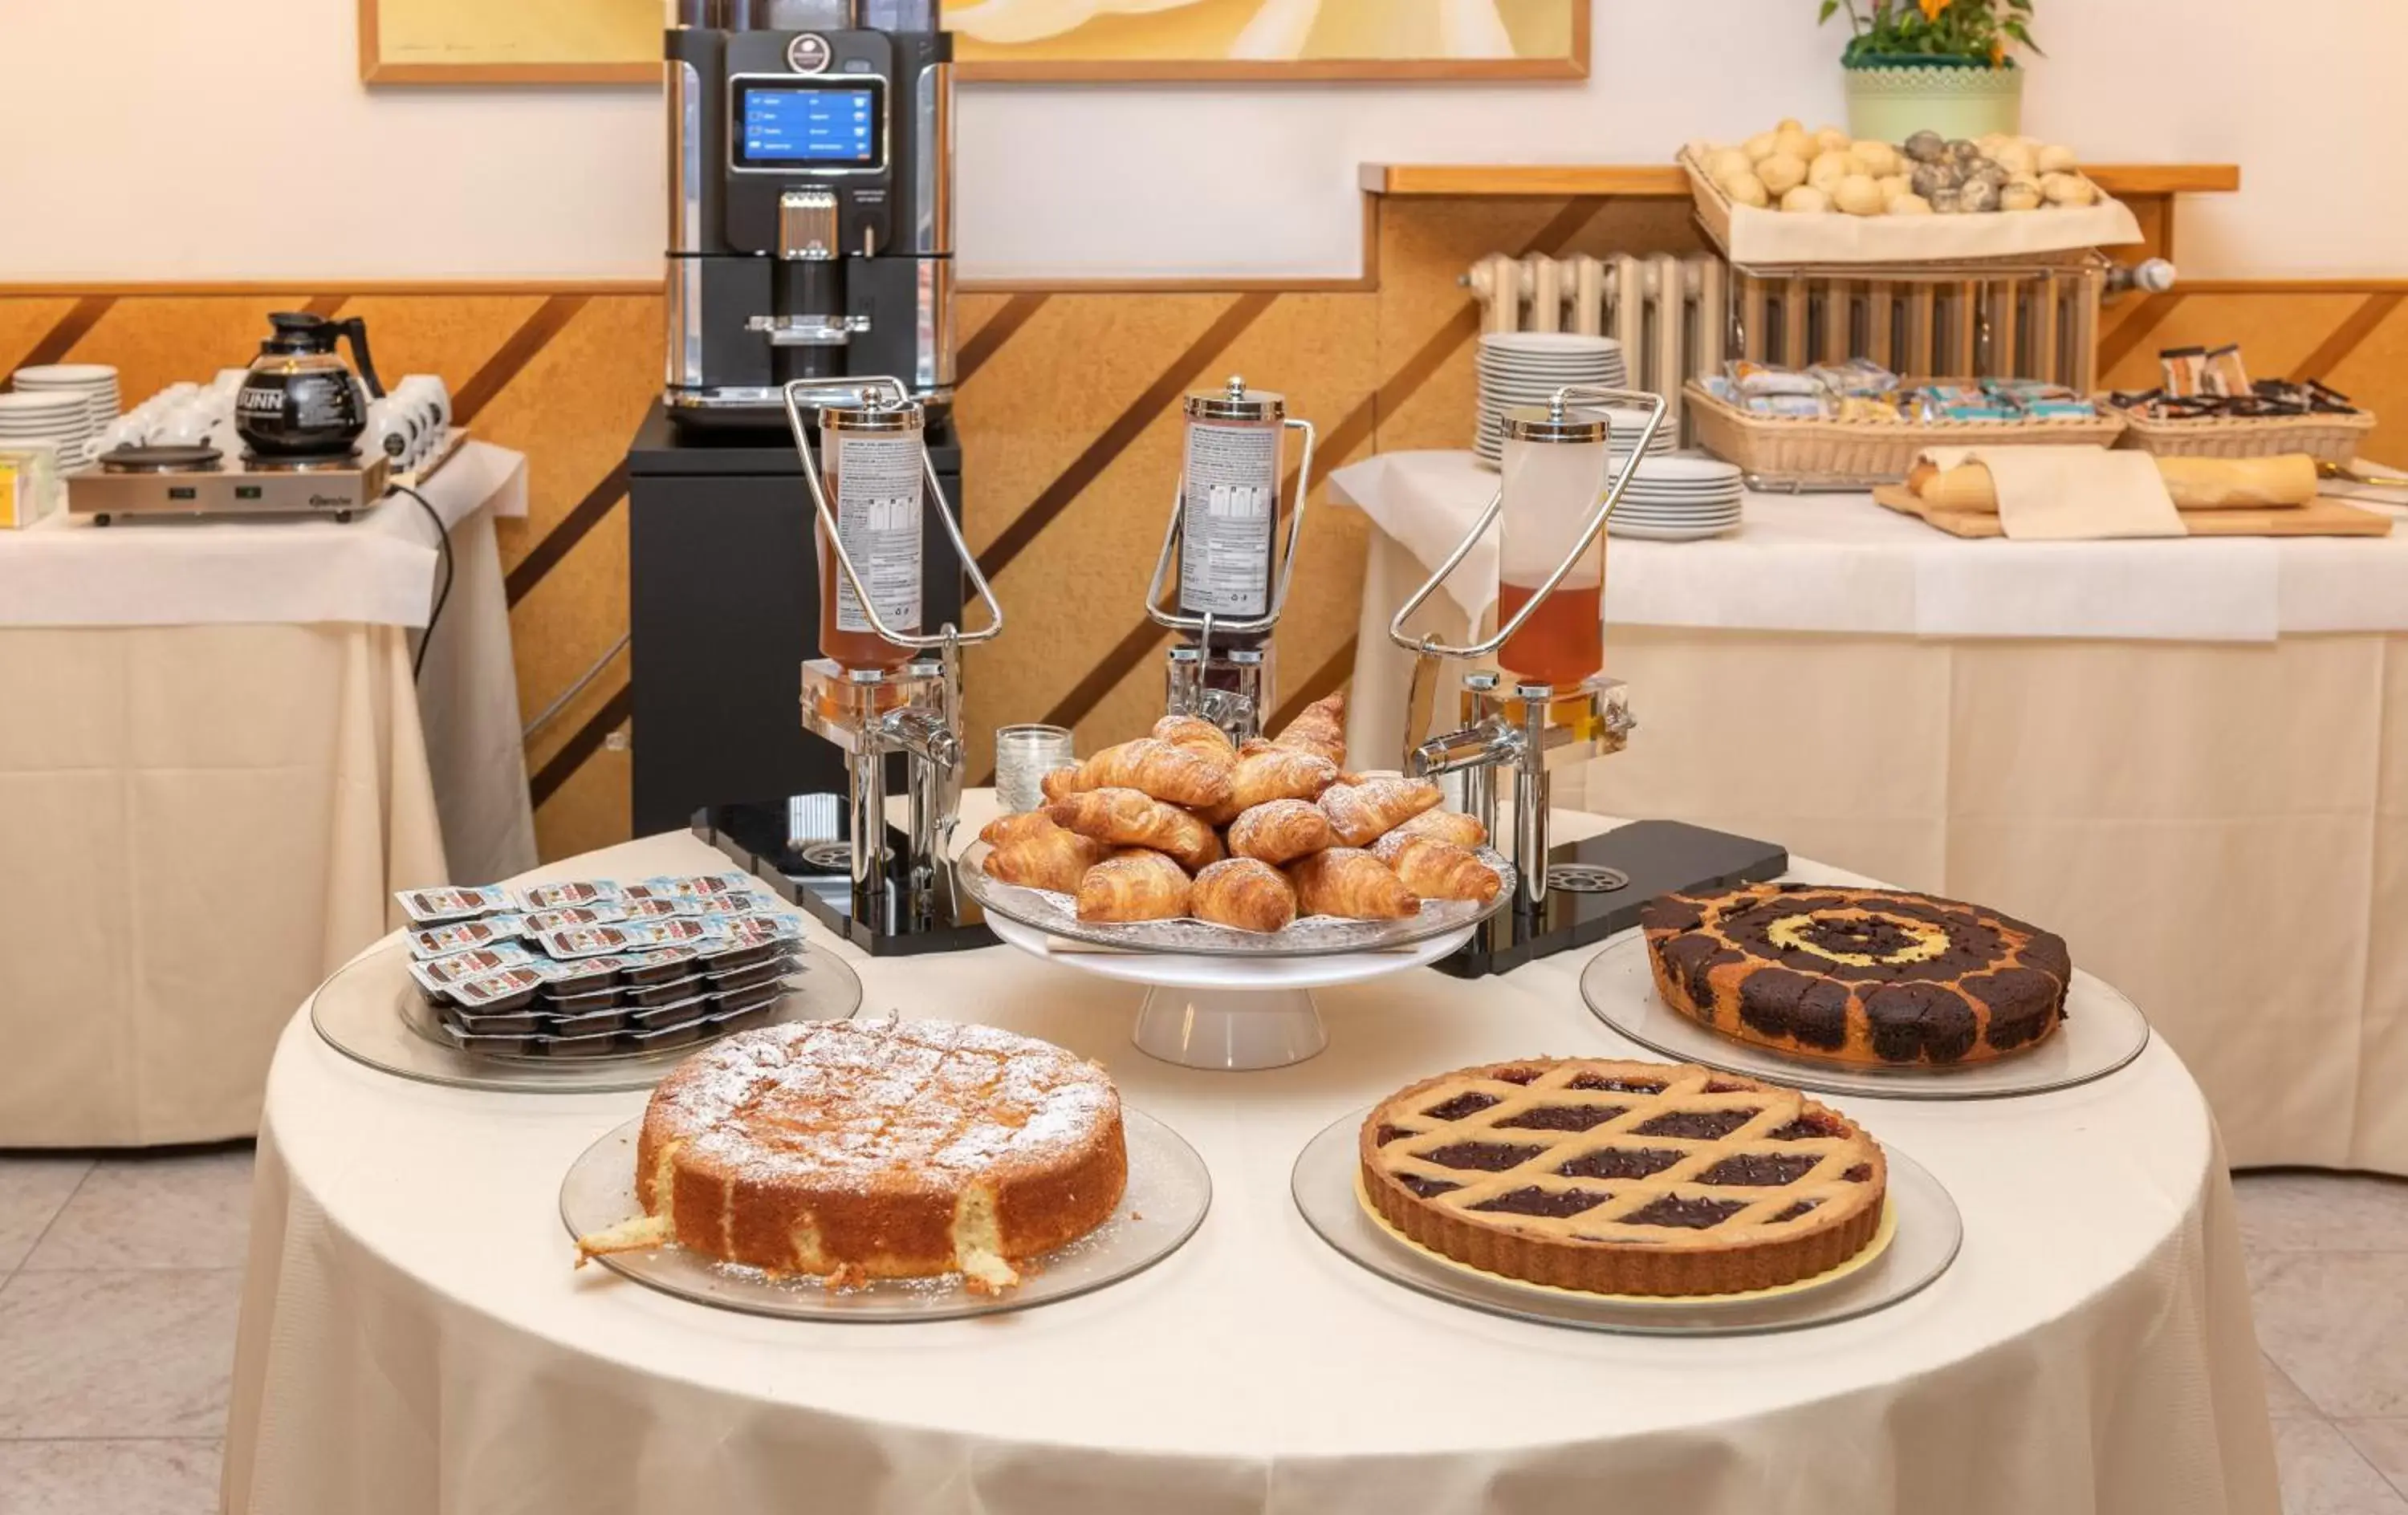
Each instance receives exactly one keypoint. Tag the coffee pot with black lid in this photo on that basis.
(299, 399)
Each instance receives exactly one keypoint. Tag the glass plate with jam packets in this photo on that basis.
(586, 1025)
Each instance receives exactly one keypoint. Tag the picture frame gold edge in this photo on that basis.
(376, 70)
(1314, 71)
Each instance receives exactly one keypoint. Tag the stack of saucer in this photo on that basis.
(63, 420)
(94, 384)
(1528, 367)
(1678, 499)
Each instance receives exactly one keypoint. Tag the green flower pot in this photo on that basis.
(1891, 102)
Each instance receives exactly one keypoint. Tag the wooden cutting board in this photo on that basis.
(2320, 517)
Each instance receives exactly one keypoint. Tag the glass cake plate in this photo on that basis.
(1314, 937)
(372, 1012)
(2101, 1033)
(1922, 1227)
(1168, 1191)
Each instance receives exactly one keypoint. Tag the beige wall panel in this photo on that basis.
(451, 335)
(25, 322)
(569, 618)
(156, 340)
(575, 405)
(1043, 397)
(589, 810)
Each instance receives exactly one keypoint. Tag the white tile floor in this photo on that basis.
(121, 1276)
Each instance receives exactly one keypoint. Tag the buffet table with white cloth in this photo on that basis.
(414, 1336)
(2181, 755)
(214, 770)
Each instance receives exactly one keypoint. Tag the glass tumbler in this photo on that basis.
(1024, 755)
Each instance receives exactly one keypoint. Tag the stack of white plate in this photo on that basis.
(63, 420)
(94, 384)
(1528, 367)
(1678, 499)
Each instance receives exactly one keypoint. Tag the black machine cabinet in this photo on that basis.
(723, 610)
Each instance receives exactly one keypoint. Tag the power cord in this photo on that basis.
(442, 590)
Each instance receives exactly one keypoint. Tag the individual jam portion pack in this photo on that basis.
(562, 917)
(572, 892)
(426, 907)
(460, 936)
(436, 972)
(630, 936)
(693, 886)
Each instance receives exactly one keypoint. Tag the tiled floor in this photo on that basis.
(121, 1278)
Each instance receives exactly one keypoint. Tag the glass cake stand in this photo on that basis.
(1924, 1228)
(1220, 998)
(2101, 1033)
(371, 1012)
(1170, 1188)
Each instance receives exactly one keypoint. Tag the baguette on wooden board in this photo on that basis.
(2195, 483)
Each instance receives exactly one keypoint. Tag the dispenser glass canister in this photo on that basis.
(1555, 472)
(870, 460)
(1229, 504)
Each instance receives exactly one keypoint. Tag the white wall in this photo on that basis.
(197, 140)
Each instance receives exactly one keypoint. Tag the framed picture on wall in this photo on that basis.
(1270, 39)
(619, 41)
(519, 42)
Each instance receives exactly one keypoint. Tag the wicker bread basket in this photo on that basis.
(1782, 451)
(2328, 438)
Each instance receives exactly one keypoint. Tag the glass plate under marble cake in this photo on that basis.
(2101, 1031)
(1319, 935)
(1168, 1191)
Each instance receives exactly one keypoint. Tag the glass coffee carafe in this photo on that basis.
(300, 400)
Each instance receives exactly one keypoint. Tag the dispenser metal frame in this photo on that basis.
(1234, 711)
(916, 713)
(1528, 727)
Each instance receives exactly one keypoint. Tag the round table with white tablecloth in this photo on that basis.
(2175, 754)
(415, 1338)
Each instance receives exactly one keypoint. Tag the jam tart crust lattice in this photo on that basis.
(1624, 1178)
(1869, 978)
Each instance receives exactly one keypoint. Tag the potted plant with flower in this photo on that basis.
(1941, 65)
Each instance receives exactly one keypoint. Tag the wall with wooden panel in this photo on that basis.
(1067, 409)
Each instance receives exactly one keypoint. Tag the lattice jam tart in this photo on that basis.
(1624, 1178)
(878, 1149)
(1866, 977)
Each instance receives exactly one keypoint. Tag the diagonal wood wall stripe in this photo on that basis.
(582, 744)
(60, 338)
(514, 354)
(327, 305)
(557, 543)
(2344, 340)
(997, 330)
(1082, 697)
(1328, 678)
(2135, 328)
(1142, 412)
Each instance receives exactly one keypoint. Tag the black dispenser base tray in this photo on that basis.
(815, 877)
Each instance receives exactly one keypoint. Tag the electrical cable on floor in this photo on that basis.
(443, 590)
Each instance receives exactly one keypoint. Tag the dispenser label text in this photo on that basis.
(878, 497)
(1231, 511)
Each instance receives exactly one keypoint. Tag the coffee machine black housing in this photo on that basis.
(810, 204)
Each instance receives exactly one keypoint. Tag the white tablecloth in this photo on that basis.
(2217, 822)
(414, 1337)
(378, 569)
(201, 820)
(1837, 563)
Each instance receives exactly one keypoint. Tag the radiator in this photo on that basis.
(1679, 316)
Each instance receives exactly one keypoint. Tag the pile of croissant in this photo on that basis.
(1185, 823)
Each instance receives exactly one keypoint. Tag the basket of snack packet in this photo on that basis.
(2205, 406)
(1850, 425)
(595, 968)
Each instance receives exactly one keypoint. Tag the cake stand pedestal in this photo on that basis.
(1228, 1014)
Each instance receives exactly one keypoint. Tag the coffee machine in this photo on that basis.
(809, 245)
(810, 204)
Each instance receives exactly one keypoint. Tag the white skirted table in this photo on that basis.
(214, 769)
(2182, 755)
(414, 1336)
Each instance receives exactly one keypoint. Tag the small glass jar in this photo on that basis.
(1024, 755)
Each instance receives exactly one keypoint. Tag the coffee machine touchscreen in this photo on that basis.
(801, 127)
